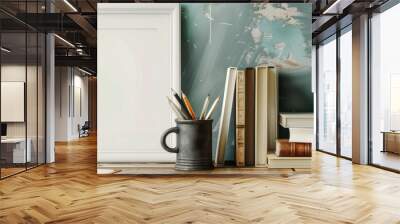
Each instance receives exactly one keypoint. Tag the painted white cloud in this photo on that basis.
(256, 34)
(279, 12)
(280, 46)
(283, 63)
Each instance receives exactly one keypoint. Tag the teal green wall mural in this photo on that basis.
(216, 36)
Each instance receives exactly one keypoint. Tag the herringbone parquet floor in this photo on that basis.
(69, 191)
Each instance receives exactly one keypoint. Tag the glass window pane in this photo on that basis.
(13, 86)
(31, 88)
(327, 97)
(32, 95)
(346, 94)
(22, 90)
(385, 82)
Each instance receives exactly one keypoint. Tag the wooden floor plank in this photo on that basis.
(70, 191)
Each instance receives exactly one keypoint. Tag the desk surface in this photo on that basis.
(13, 140)
(390, 132)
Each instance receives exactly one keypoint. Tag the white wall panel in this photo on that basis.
(12, 101)
(138, 62)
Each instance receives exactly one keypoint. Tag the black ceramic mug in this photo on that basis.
(193, 146)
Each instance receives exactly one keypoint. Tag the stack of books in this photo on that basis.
(300, 126)
(295, 152)
(256, 122)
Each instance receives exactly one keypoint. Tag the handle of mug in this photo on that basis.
(164, 138)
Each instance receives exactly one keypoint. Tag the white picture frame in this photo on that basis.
(138, 64)
(12, 101)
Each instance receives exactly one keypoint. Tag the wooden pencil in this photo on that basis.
(176, 109)
(189, 106)
(212, 108)
(205, 106)
(181, 104)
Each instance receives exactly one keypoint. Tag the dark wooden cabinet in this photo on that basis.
(391, 142)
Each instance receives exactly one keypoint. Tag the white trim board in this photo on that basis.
(138, 64)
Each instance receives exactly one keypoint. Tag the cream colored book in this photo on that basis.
(289, 162)
(273, 114)
(297, 120)
(266, 112)
(304, 135)
(226, 112)
(240, 118)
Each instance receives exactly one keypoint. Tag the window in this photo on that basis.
(385, 89)
(22, 77)
(394, 102)
(346, 93)
(327, 96)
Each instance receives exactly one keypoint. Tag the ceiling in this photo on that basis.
(75, 22)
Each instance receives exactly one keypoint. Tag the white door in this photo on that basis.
(138, 63)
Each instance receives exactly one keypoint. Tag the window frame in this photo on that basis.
(334, 37)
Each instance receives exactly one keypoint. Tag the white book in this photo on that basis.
(289, 162)
(226, 113)
(266, 112)
(297, 120)
(305, 135)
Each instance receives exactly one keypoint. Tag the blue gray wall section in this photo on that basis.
(216, 36)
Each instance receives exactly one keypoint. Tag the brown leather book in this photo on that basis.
(284, 148)
(250, 116)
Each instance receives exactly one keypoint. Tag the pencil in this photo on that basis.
(181, 103)
(189, 106)
(176, 110)
(205, 106)
(213, 106)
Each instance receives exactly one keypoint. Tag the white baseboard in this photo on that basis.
(134, 157)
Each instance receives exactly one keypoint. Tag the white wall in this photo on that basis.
(79, 117)
(69, 82)
(62, 82)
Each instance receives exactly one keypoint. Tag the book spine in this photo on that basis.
(249, 116)
(284, 148)
(226, 112)
(289, 162)
(272, 107)
(261, 119)
(304, 135)
(240, 118)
